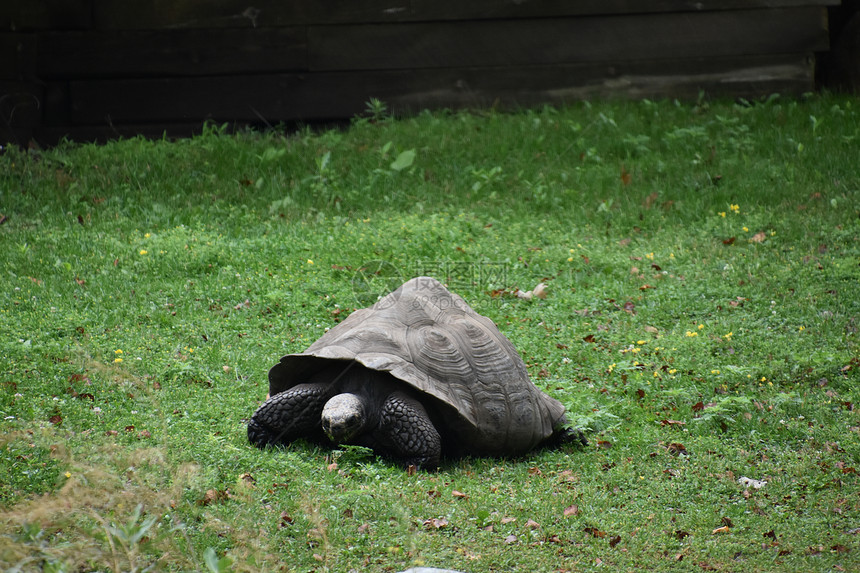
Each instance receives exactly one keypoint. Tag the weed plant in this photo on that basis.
(701, 262)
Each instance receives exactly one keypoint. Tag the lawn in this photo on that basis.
(701, 263)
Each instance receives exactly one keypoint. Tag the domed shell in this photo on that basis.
(430, 339)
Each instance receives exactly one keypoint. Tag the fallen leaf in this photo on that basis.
(286, 520)
(435, 523)
(332, 466)
(459, 494)
(758, 237)
(511, 539)
(507, 520)
(571, 510)
(676, 449)
(723, 529)
(594, 532)
(605, 444)
(729, 241)
(212, 496)
(614, 541)
(680, 534)
(531, 524)
(651, 330)
(672, 423)
(626, 177)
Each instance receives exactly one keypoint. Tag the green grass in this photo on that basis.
(702, 264)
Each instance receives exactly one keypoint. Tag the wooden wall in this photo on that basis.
(103, 68)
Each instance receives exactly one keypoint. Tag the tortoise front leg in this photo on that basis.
(405, 425)
(288, 415)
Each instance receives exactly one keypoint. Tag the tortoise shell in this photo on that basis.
(455, 361)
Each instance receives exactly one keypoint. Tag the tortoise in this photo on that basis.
(417, 375)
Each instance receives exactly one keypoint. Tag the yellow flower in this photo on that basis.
(691, 334)
(802, 328)
(715, 371)
(722, 213)
(146, 236)
(117, 360)
(570, 259)
(310, 262)
(117, 351)
(746, 230)
(611, 367)
(641, 341)
(68, 474)
(763, 379)
(144, 252)
(650, 256)
(672, 371)
(735, 208)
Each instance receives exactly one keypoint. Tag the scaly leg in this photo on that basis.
(407, 428)
(288, 415)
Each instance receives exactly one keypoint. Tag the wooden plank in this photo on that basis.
(300, 97)
(17, 55)
(157, 14)
(22, 15)
(171, 52)
(21, 104)
(488, 9)
(566, 40)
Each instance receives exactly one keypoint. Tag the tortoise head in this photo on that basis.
(344, 417)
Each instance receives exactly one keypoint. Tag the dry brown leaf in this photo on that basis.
(758, 237)
(571, 510)
(435, 523)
